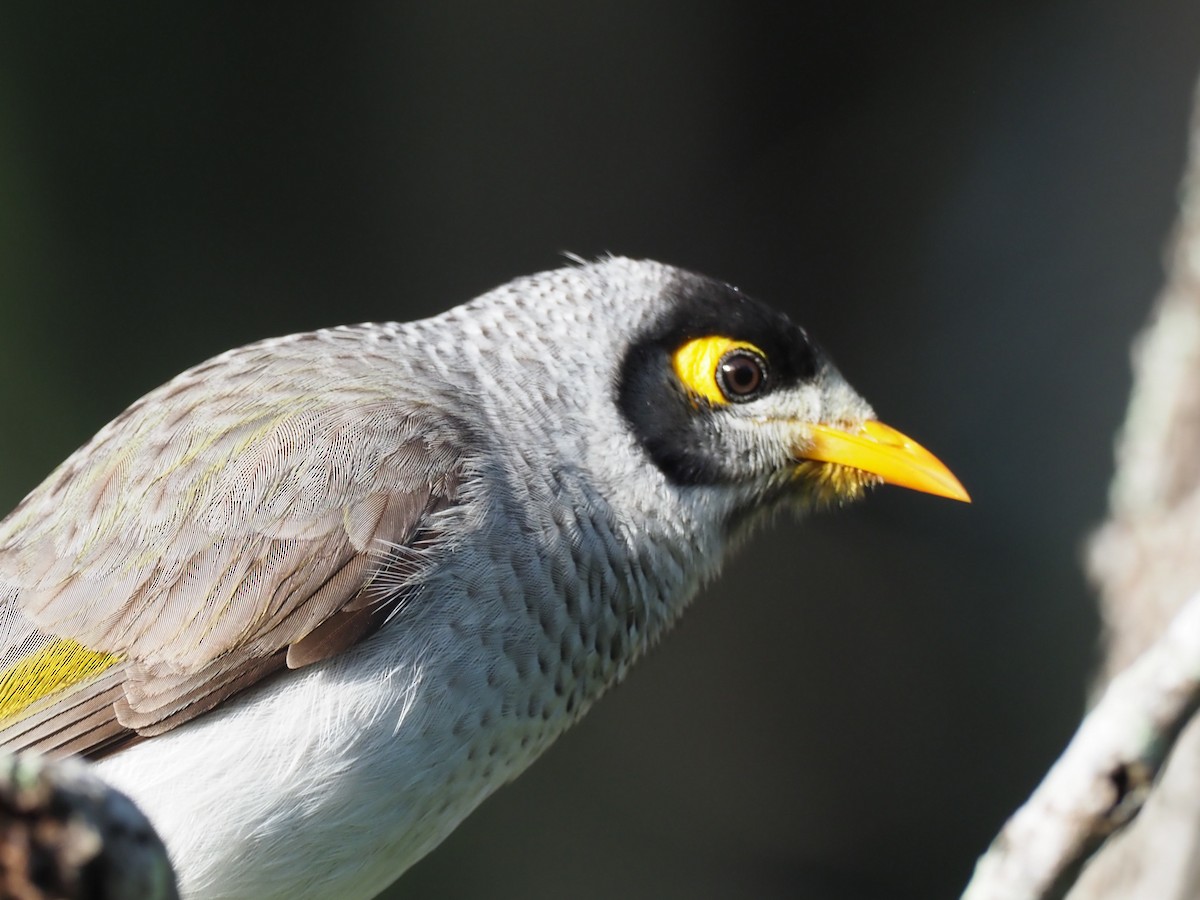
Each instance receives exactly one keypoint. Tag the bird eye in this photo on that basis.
(719, 370)
(741, 374)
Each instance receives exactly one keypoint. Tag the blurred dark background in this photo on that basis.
(966, 202)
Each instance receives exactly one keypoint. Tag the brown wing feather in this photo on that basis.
(151, 705)
(212, 546)
(47, 729)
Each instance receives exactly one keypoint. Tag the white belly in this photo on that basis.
(329, 781)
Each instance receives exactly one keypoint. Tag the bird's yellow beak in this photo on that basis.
(880, 450)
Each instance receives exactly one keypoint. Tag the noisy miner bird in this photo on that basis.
(315, 599)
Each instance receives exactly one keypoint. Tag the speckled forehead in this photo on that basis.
(593, 306)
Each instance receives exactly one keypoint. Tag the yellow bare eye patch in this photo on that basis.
(696, 364)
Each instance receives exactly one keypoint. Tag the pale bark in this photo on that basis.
(1145, 563)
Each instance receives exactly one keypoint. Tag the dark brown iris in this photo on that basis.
(741, 375)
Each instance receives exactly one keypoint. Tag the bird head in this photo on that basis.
(721, 389)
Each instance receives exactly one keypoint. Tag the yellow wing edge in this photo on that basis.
(55, 667)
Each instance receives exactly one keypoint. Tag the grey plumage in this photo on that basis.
(458, 532)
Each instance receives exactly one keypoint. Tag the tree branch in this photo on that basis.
(1102, 779)
(65, 834)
